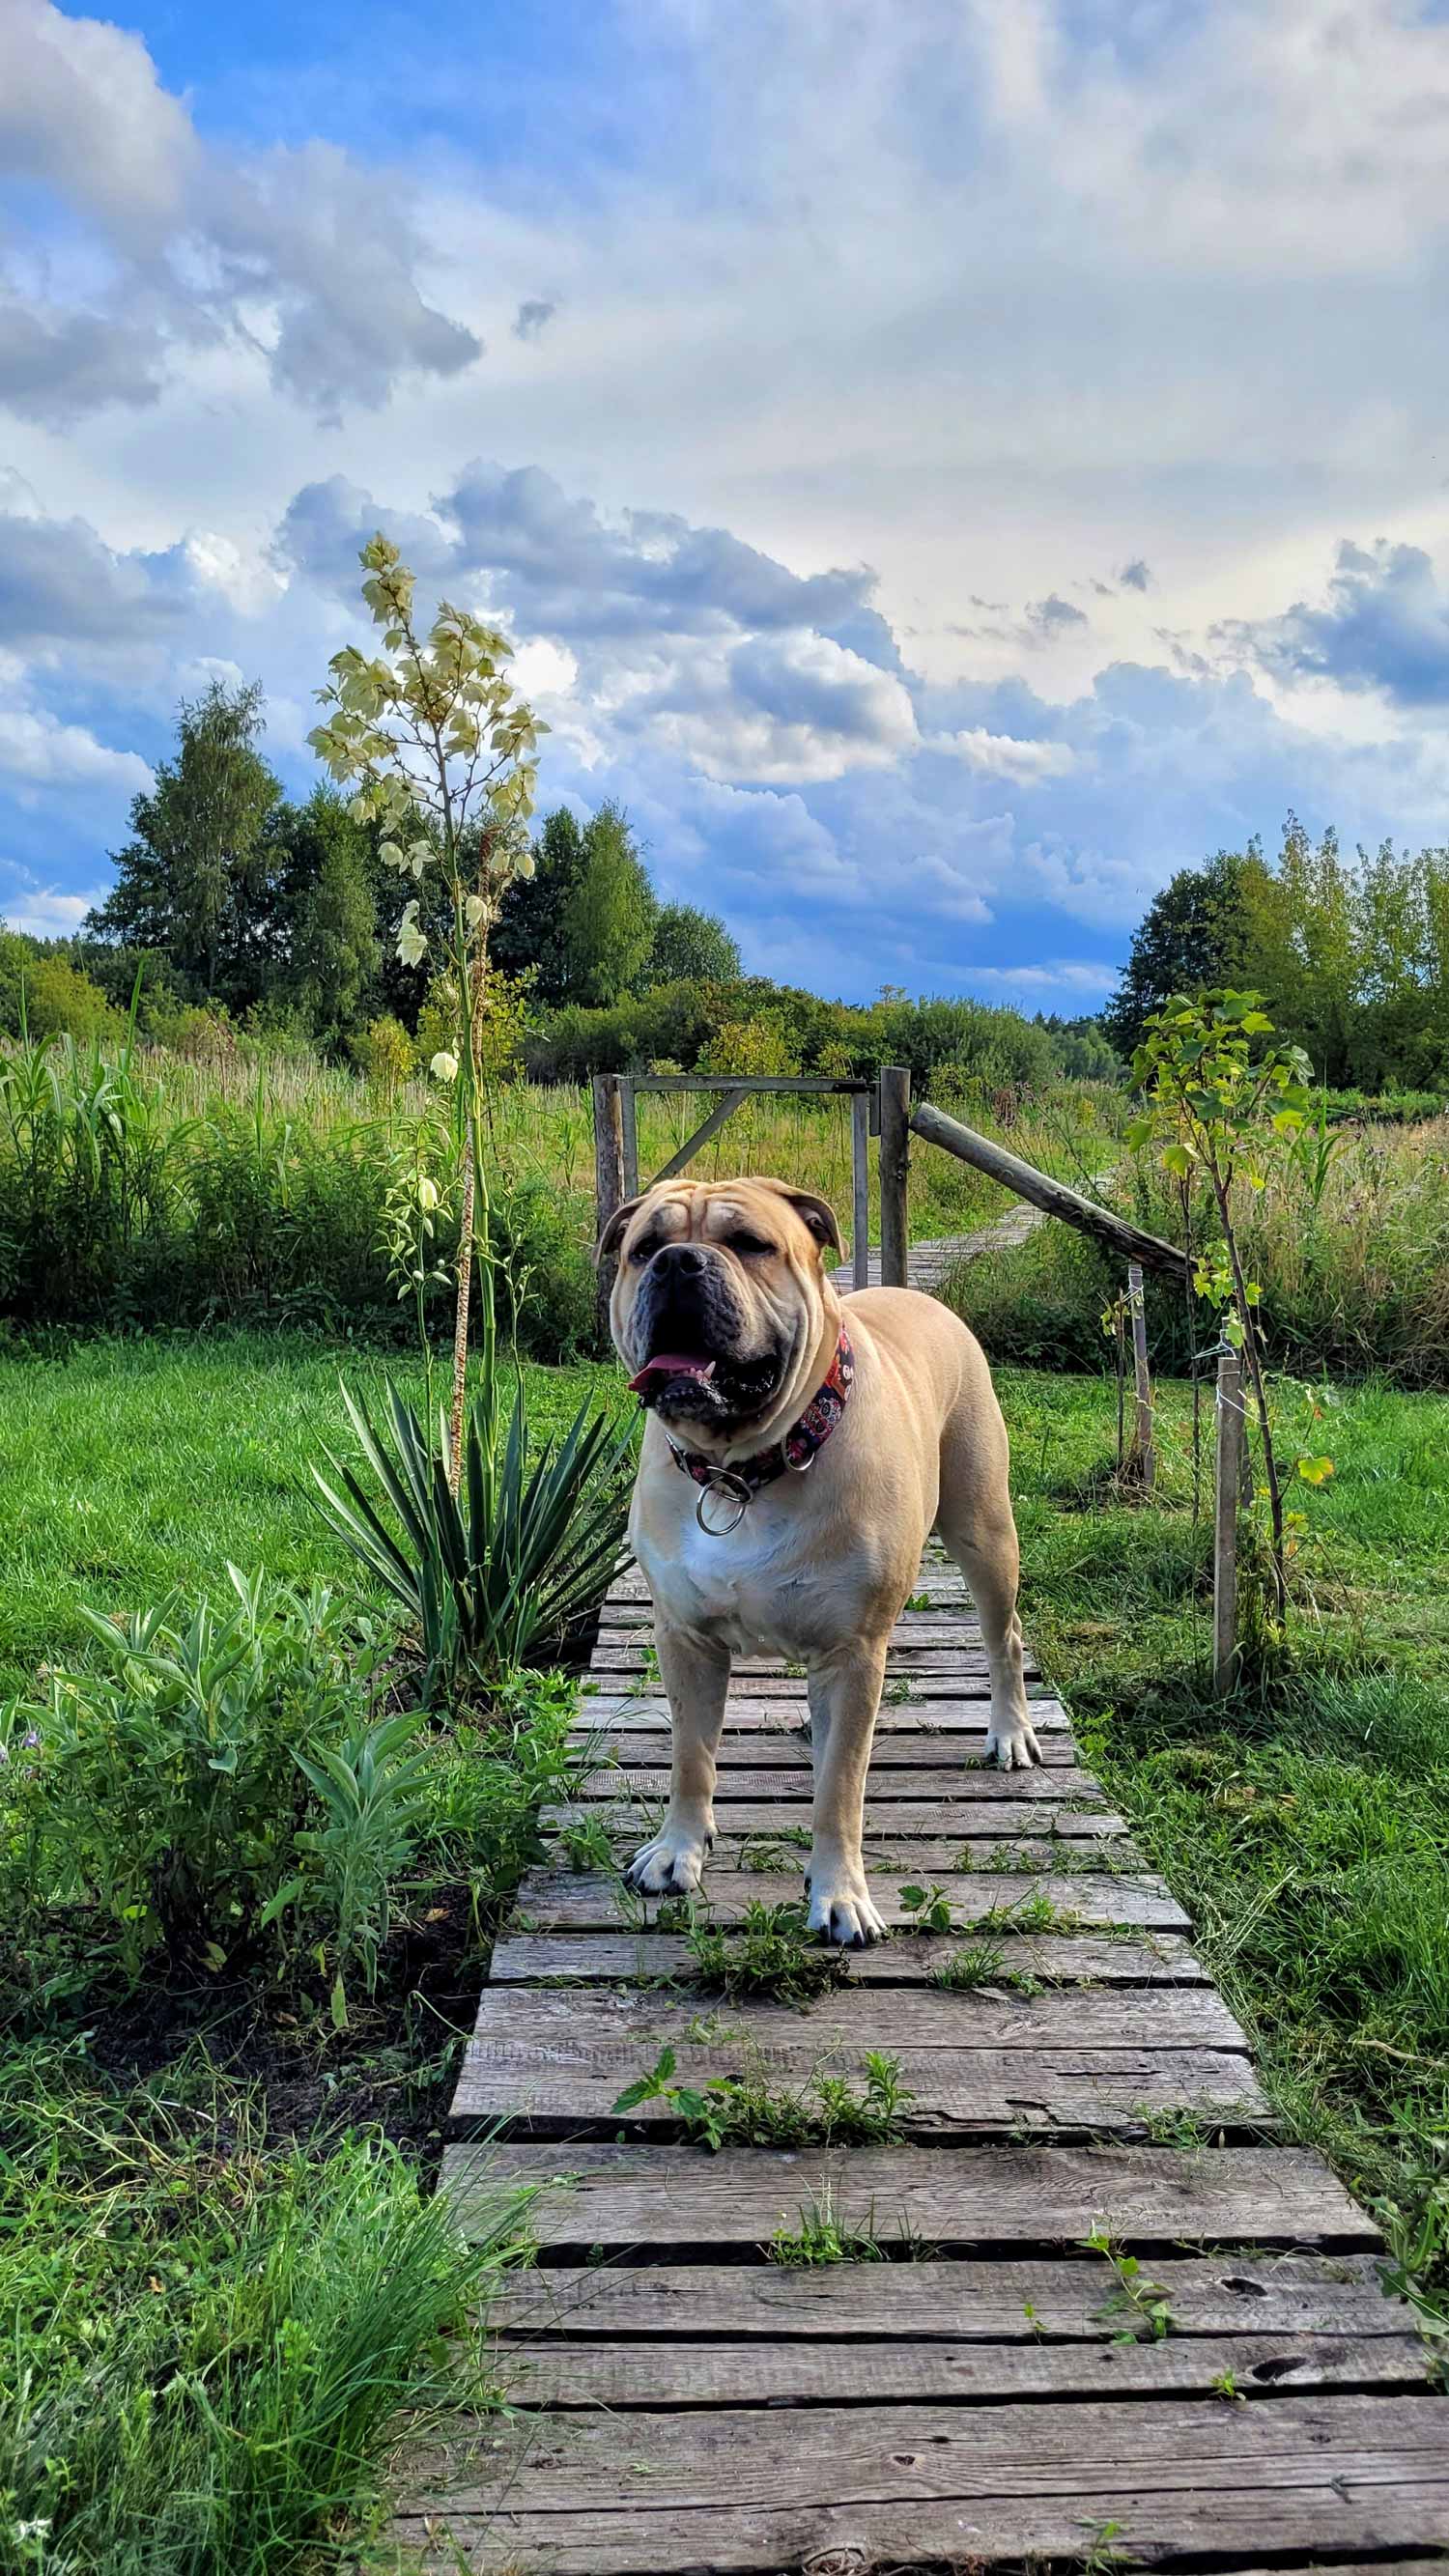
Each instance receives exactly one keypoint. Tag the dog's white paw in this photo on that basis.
(840, 1907)
(672, 1865)
(1011, 1744)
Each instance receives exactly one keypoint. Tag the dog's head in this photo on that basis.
(721, 1302)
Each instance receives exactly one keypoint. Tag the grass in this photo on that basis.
(211, 2347)
(130, 1467)
(769, 1953)
(1304, 1823)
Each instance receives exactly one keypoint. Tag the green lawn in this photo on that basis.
(1306, 1825)
(129, 1468)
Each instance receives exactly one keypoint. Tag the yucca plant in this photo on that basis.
(525, 1548)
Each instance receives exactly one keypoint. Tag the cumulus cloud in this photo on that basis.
(1135, 575)
(297, 252)
(60, 584)
(1384, 625)
(45, 911)
(531, 317)
(38, 751)
(1001, 755)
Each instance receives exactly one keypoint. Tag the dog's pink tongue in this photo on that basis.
(667, 1364)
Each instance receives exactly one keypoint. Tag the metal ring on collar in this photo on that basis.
(734, 1490)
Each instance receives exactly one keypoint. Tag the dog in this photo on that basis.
(798, 1452)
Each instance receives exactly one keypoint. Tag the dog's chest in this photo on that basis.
(745, 1591)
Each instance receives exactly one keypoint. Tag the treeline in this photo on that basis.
(1353, 956)
(253, 921)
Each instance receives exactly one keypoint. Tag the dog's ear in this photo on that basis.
(817, 1213)
(614, 1232)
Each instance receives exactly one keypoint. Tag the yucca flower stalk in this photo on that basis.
(438, 748)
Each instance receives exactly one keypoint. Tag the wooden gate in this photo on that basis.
(877, 1108)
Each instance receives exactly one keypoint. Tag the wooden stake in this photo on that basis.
(1146, 1466)
(629, 1133)
(860, 1189)
(1225, 1523)
(895, 1123)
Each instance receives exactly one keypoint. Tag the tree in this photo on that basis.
(325, 922)
(193, 882)
(690, 947)
(1190, 938)
(531, 923)
(608, 923)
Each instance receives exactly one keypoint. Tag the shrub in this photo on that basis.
(41, 990)
(169, 1793)
(385, 1055)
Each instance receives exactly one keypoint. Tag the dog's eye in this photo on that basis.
(749, 1243)
(646, 1250)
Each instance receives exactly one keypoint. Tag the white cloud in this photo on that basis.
(38, 751)
(44, 911)
(1000, 755)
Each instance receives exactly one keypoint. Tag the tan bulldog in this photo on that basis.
(791, 1472)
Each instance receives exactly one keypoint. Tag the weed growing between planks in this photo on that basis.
(745, 2111)
(770, 1952)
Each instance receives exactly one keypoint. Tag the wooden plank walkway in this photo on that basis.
(978, 2387)
(927, 1264)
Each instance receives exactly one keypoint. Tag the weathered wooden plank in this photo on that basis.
(677, 2202)
(908, 1661)
(935, 1622)
(848, 2020)
(1248, 2296)
(939, 1819)
(592, 1901)
(952, 1795)
(536, 1958)
(956, 1702)
(893, 1759)
(563, 2372)
(563, 2087)
(762, 2487)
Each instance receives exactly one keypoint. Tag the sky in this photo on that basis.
(943, 468)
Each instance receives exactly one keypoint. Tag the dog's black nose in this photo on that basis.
(684, 1259)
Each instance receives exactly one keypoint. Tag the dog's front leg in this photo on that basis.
(696, 1677)
(844, 1697)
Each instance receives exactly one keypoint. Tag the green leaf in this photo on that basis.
(1315, 1471)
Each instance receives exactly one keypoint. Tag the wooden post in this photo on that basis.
(895, 1127)
(609, 1191)
(629, 1133)
(1146, 1466)
(860, 1189)
(1225, 1523)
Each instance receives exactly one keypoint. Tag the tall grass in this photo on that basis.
(208, 2349)
(146, 1188)
(1349, 1241)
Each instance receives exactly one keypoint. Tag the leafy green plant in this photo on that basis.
(524, 1550)
(1218, 1106)
(161, 1790)
(928, 1907)
(1142, 2302)
(372, 1794)
(771, 1951)
(733, 2110)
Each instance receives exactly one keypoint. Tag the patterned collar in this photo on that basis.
(735, 1487)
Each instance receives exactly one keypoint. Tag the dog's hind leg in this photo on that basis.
(978, 1529)
(696, 1677)
(844, 1697)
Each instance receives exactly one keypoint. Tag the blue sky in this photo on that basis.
(944, 469)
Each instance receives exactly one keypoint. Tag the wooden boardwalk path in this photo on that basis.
(927, 1264)
(984, 2389)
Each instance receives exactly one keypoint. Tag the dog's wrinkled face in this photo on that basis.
(720, 1296)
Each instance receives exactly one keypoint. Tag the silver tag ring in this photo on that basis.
(732, 1489)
